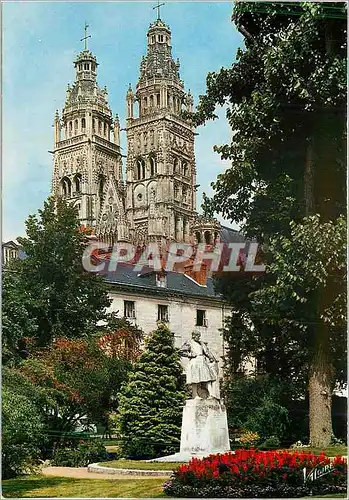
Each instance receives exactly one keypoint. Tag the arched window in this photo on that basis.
(158, 100)
(175, 165)
(66, 187)
(101, 185)
(152, 166)
(207, 237)
(100, 127)
(185, 168)
(76, 125)
(70, 128)
(184, 195)
(93, 125)
(77, 182)
(151, 101)
(140, 169)
(83, 124)
(198, 236)
(105, 129)
(175, 191)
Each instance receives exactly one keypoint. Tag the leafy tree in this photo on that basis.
(267, 397)
(61, 298)
(150, 403)
(297, 286)
(286, 98)
(17, 324)
(81, 377)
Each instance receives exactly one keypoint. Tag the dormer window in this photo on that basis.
(161, 280)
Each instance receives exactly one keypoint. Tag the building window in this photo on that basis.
(162, 313)
(152, 166)
(207, 235)
(185, 168)
(83, 124)
(201, 319)
(161, 280)
(77, 180)
(129, 309)
(161, 38)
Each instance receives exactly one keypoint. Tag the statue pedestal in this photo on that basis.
(204, 430)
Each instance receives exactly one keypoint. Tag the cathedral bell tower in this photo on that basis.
(87, 159)
(161, 172)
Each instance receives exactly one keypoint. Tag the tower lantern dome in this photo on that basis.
(159, 33)
(86, 66)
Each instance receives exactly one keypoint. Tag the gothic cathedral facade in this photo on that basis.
(157, 200)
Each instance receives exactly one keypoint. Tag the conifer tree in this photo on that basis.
(150, 403)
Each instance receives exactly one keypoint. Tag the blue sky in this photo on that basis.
(40, 42)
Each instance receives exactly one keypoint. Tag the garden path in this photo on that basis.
(82, 473)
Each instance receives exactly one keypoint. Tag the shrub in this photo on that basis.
(251, 473)
(22, 434)
(150, 403)
(85, 453)
(271, 443)
(266, 396)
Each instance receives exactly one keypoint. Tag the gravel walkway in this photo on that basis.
(81, 473)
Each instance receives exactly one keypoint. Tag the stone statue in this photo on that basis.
(204, 422)
(202, 369)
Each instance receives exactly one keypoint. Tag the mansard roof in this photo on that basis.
(126, 277)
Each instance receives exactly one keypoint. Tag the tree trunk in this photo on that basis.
(320, 393)
(324, 195)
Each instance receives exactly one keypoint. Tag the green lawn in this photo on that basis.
(330, 451)
(48, 486)
(140, 465)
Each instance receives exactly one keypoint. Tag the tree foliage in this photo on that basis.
(285, 97)
(150, 403)
(22, 430)
(60, 297)
(81, 377)
(286, 91)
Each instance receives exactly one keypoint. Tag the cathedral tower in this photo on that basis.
(87, 158)
(161, 171)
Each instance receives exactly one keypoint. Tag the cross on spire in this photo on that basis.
(86, 36)
(158, 7)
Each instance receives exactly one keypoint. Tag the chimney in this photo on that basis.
(200, 275)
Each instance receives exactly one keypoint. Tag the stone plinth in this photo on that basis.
(204, 430)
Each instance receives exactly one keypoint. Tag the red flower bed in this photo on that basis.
(249, 468)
